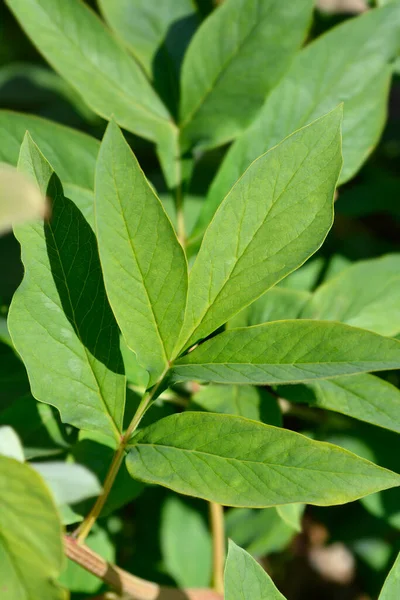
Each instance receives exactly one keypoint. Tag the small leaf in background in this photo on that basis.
(157, 34)
(10, 444)
(185, 543)
(31, 547)
(292, 515)
(391, 588)
(245, 579)
(20, 199)
(274, 218)
(75, 577)
(71, 153)
(364, 397)
(234, 59)
(241, 400)
(60, 320)
(69, 483)
(259, 531)
(144, 265)
(288, 352)
(350, 64)
(237, 462)
(366, 294)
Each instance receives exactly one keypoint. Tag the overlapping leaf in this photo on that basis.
(350, 63)
(60, 319)
(144, 265)
(238, 462)
(235, 58)
(245, 579)
(275, 217)
(288, 352)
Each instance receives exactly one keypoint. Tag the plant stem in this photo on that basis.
(81, 533)
(218, 538)
(179, 215)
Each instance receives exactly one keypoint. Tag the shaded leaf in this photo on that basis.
(349, 64)
(144, 265)
(275, 217)
(31, 547)
(235, 58)
(68, 483)
(364, 397)
(60, 320)
(245, 579)
(238, 462)
(288, 352)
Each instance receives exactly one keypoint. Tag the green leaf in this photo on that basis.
(238, 462)
(275, 217)
(391, 587)
(144, 265)
(350, 64)
(79, 47)
(71, 153)
(157, 34)
(69, 483)
(235, 58)
(366, 294)
(185, 543)
(292, 515)
(60, 320)
(259, 531)
(241, 400)
(364, 397)
(10, 444)
(277, 304)
(31, 548)
(288, 352)
(75, 577)
(245, 579)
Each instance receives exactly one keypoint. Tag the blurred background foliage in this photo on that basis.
(340, 552)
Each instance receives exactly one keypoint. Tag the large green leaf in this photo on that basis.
(238, 462)
(235, 58)
(275, 217)
(144, 265)
(288, 352)
(157, 34)
(391, 588)
(31, 548)
(364, 397)
(245, 579)
(366, 294)
(350, 64)
(60, 320)
(78, 45)
(71, 153)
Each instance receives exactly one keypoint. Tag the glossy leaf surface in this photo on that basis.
(238, 462)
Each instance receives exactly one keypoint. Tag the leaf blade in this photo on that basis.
(238, 462)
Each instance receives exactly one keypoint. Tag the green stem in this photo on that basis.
(84, 528)
(218, 542)
(179, 215)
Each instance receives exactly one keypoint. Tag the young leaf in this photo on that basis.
(157, 34)
(77, 45)
(31, 548)
(241, 400)
(245, 579)
(364, 397)
(274, 218)
(366, 294)
(71, 153)
(349, 63)
(60, 320)
(144, 265)
(238, 462)
(391, 587)
(292, 515)
(235, 58)
(288, 352)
